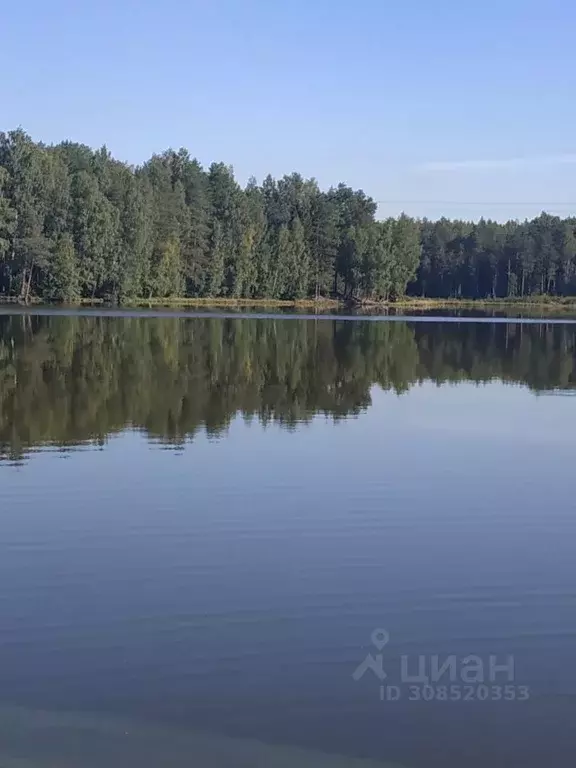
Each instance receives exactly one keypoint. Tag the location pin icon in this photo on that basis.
(380, 638)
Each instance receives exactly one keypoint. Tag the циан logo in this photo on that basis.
(380, 638)
(442, 678)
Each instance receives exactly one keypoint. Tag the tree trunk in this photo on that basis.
(23, 286)
(27, 297)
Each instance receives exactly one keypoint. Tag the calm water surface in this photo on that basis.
(203, 520)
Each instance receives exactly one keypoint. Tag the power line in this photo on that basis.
(485, 203)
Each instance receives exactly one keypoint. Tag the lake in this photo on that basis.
(286, 541)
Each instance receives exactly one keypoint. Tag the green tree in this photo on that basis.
(7, 218)
(171, 227)
(63, 283)
(94, 226)
(405, 253)
(167, 272)
(215, 276)
(297, 262)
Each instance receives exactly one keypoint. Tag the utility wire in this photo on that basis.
(484, 203)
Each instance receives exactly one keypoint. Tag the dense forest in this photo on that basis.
(76, 223)
(70, 380)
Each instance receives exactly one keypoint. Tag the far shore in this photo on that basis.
(543, 304)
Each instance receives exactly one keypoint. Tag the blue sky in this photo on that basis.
(413, 101)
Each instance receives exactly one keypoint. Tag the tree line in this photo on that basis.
(72, 380)
(76, 223)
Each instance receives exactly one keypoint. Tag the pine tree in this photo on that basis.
(298, 263)
(215, 276)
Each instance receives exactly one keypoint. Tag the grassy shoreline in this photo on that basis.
(227, 303)
(541, 303)
(409, 303)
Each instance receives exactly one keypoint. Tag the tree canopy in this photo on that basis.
(76, 223)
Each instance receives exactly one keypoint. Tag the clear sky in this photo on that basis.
(414, 101)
